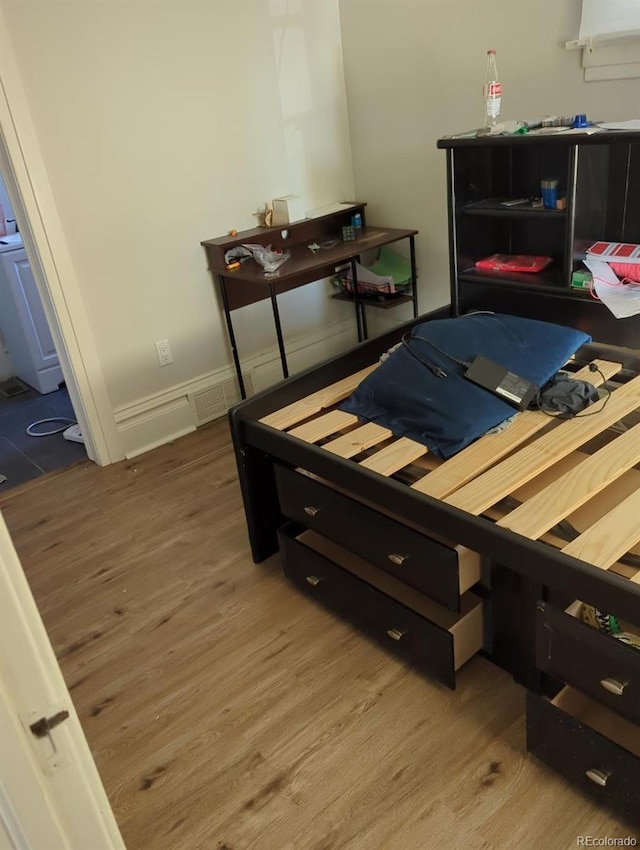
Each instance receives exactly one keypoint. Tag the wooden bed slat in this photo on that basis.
(479, 456)
(556, 501)
(305, 407)
(322, 426)
(624, 570)
(507, 476)
(590, 511)
(612, 536)
(394, 457)
(553, 473)
(595, 509)
(358, 440)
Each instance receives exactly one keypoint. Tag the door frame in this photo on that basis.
(23, 168)
(50, 786)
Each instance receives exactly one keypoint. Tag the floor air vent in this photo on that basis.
(215, 401)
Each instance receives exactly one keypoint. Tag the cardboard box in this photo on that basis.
(287, 210)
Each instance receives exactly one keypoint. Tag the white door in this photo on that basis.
(51, 796)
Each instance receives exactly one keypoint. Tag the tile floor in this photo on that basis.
(23, 457)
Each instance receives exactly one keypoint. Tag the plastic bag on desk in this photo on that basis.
(268, 259)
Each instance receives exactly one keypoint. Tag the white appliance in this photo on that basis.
(23, 321)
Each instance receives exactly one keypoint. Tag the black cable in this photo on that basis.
(434, 368)
(464, 363)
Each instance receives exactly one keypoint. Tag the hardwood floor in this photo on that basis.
(227, 712)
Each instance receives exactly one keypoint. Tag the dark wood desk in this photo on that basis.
(249, 283)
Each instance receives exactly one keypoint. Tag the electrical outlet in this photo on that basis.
(163, 350)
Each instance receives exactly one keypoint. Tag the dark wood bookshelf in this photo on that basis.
(597, 175)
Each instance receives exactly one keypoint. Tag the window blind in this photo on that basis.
(607, 20)
(610, 37)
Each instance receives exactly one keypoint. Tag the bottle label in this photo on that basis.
(492, 106)
(493, 89)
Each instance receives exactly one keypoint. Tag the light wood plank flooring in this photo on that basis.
(227, 712)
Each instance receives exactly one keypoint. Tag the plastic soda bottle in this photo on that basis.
(492, 91)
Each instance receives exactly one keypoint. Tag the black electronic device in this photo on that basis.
(507, 385)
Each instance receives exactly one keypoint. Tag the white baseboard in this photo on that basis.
(161, 417)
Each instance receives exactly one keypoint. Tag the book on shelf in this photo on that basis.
(614, 252)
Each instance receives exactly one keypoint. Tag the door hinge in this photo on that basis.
(44, 725)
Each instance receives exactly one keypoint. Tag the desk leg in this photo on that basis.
(276, 320)
(361, 319)
(232, 336)
(414, 276)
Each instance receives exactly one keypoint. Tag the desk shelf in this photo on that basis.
(381, 303)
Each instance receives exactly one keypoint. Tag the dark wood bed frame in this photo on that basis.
(259, 446)
(496, 549)
(294, 432)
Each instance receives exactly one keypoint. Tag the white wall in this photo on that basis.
(165, 123)
(414, 71)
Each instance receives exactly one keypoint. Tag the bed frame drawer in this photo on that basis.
(578, 654)
(573, 735)
(416, 559)
(412, 626)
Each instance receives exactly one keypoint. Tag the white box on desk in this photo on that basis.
(287, 210)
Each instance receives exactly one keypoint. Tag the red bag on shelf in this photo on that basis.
(513, 263)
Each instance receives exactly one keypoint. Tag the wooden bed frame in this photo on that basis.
(496, 549)
(500, 497)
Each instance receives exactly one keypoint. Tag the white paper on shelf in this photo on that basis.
(365, 275)
(622, 299)
(585, 131)
(633, 124)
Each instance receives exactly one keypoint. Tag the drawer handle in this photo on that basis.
(397, 559)
(395, 634)
(598, 776)
(614, 686)
(313, 580)
(311, 511)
